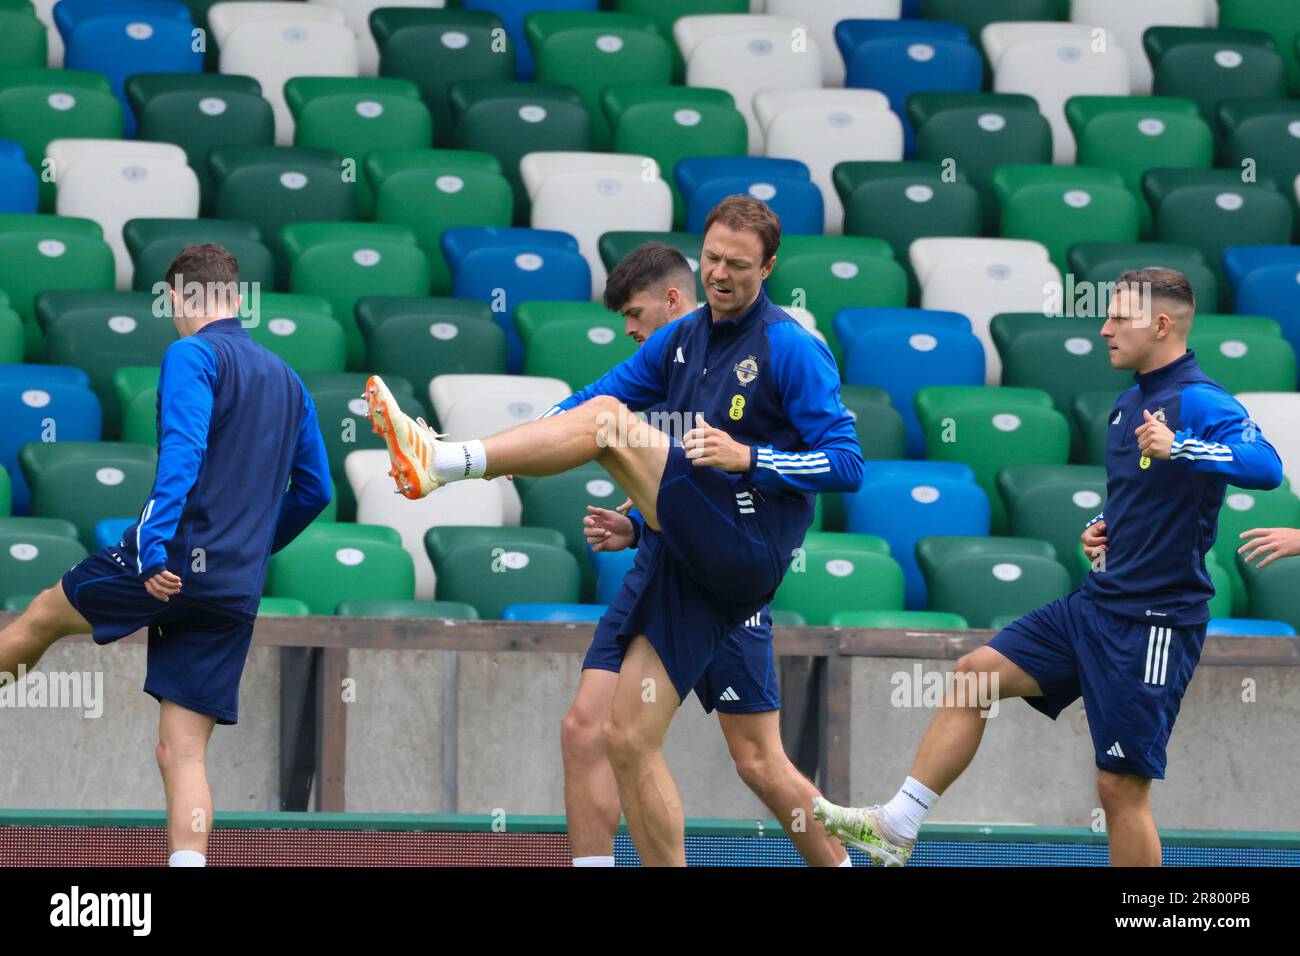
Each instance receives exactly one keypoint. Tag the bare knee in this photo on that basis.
(173, 753)
(1121, 791)
(625, 743)
(582, 736)
(761, 771)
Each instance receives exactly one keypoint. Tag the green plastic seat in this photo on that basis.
(1272, 591)
(6, 493)
(578, 351)
(1159, 40)
(35, 458)
(1211, 71)
(989, 438)
(982, 587)
(306, 339)
(31, 263)
(824, 283)
(533, 318)
(492, 576)
(1097, 285)
(199, 117)
(850, 174)
(1244, 361)
(613, 246)
(31, 561)
(298, 237)
(349, 532)
(664, 13)
(346, 271)
(353, 116)
(448, 610)
(436, 48)
(1216, 323)
(900, 620)
(935, 402)
(23, 40)
(1082, 110)
(1233, 113)
(430, 201)
(282, 607)
(322, 573)
(154, 243)
(1043, 504)
(382, 163)
(421, 338)
(980, 139)
(1279, 19)
(923, 105)
(593, 51)
(902, 210)
(560, 502)
(1244, 509)
(132, 380)
(512, 120)
(85, 491)
(38, 106)
(815, 539)
(788, 619)
(619, 98)
(1090, 413)
(13, 334)
(1060, 214)
(1092, 256)
(836, 573)
(441, 540)
(1267, 144)
(668, 133)
(933, 551)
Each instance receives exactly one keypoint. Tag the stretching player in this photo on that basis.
(651, 287)
(235, 426)
(724, 507)
(1129, 638)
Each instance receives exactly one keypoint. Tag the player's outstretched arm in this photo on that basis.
(1219, 437)
(309, 482)
(809, 384)
(189, 372)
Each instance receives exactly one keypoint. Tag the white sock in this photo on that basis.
(903, 815)
(455, 460)
(848, 860)
(187, 858)
(593, 861)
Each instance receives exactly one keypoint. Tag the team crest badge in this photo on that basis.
(747, 370)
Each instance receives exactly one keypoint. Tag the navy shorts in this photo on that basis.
(1131, 674)
(196, 656)
(708, 570)
(741, 678)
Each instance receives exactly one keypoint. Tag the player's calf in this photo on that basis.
(1130, 824)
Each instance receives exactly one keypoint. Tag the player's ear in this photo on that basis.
(767, 267)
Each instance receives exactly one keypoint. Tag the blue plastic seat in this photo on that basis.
(1273, 290)
(694, 171)
(610, 568)
(45, 412)
(1249, 627)
(11, 150)
(109, 531)
(459, 242)
(851, 34)
(915, 469)
(1240, 261)
(798, 202)
(901, 360)
(901, 66)
(513, 13)
(19, 191)
(902, 510)
(850, 323)
(70, 14)
(36, 376)
(572, 613)
(520, 274)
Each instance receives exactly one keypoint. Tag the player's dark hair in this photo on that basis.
(648, 266)
(747, 214)
(1167, 284)
(206, 264)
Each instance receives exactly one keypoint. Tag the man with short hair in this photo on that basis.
(235, 427)
(652, 286)
(1129, 638)
(755, 428)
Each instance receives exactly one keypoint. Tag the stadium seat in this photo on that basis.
(31, 562)
(479, 405)
(1241, 361)
(109, 531)
(1273, 291)
(1268, 145)
(1218, 68)
(901, 360)
(664, 13)
(1244, 509)
(850, 323)
(1278, 19)
(1125, 23)
(840, 572)
(1053, 503)
(25, 524)
(282, 607)
(1272, 591)
(798, 203)
(447, 610)
(49, 412)
(85, 491)
(355, 116)
(1224, 626)
(578, 351)
(900, 620)
(821, 18)
(348, 532)
(33, 375)
(153, 243)
(746, 59)
(357, 13)
(19, 189)
(1276, 414)
(12, 335)
(504, 277)
(904, 508)
(694, 172)
(617, 244)
(494, 576)
(561, 501)
(441, 540)
(23, 39)
(1240, 261)
(610, 571)
(561, 613)
(323, 573)
(422, 338)
(881, 431)
(1096, 272)
(470, 45)
(981, 587)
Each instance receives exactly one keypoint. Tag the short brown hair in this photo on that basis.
(646, 267)
(1167, 284)
(206, 264)
(745, 213)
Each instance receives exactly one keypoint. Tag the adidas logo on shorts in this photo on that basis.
(729, 695)
(745, 501)
(1115, 750)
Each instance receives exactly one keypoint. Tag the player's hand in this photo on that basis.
(707, 446)
(625, 507)
(1094, 539)
(1154, 437)
(607, 530)
(1269, 544)
(163, 585)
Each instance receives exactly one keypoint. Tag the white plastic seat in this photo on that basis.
(274, 51)
(1126, 21)
(1060, 64)
(768, 104)
(997, 38)
(981, 287)
(1278, 417)
(459, 503)
(54, 40)
(589, 204)
(225, 18)
(358, 13)
(820, 137)
(689, 32)
(477, 406)
(821, 16)
(804, 318)
(925, 254)
(536, 168)
(747, 62)
(67, 153)
(113, 190)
